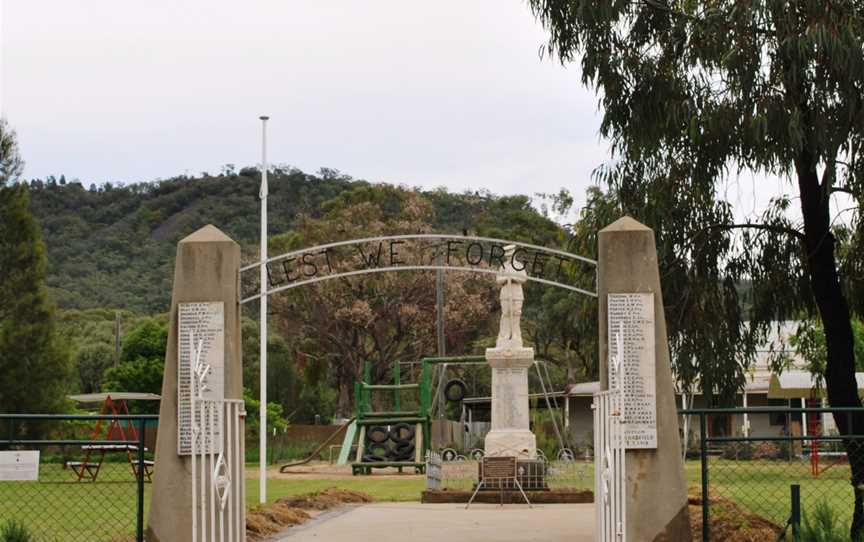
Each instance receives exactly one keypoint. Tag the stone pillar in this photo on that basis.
(206, 269)
(510, 434)
(656, 486)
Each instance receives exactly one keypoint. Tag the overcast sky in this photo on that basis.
(449, 93)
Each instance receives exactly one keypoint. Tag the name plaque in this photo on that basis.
(633, 359)
(204, 324)
(19, 466)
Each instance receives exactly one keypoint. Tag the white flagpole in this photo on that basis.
(262, 428)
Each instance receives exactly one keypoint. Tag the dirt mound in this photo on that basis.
(266, 520)
(326, 499)
(731, 523)
(263, 521)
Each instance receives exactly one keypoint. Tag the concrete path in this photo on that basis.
(414, 522)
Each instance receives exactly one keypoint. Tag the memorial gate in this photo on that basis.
(638, 460)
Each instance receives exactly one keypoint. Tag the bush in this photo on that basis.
(766, 450)
(823, 526)
(738, 451)
(13, 531)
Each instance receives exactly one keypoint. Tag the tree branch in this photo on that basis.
(764, 227)
(841, 189)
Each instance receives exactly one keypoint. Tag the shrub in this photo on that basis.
(766, 450)
(738, 451)
(823, 526)
(13, 531)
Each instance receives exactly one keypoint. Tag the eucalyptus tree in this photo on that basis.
(11, 164)
(694, 92)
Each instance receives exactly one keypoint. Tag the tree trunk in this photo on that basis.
(840, 380)
(344, 408)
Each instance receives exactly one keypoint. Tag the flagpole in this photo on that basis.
(262, 366)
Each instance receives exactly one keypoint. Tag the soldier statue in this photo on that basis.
(511, 280)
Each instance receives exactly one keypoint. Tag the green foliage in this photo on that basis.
(92, 361)
(694, 95)
(140, 375)
(34, 364)
(276, 422)
(809, 342)
(142, 364)
(148, 340)
(823, 525)
(11, 164)
(114, 246)
(14, 531)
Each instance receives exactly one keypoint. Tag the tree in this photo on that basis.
(11, 164)
(809, 342)
(693, 91)
(142, 363)
(377, 318)
(34, 364)
(91, 362)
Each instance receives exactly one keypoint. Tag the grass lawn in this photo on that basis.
(382, 489)
(762, 487)
(59, 509)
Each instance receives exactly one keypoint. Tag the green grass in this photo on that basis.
(382, 489)
(762, 487)
(58, 508)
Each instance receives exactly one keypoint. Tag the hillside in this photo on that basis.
(114, 247)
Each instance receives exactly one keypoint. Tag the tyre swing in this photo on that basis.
(455, 390)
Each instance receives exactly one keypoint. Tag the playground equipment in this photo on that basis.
(396, 438)
(94, 454)
(315, 453)
(400, 437)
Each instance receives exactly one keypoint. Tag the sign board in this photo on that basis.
(632, 358)
(19, 466)
(434, 468)
(204, 324)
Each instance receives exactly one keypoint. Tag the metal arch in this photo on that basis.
(357, 272)
(430, 236)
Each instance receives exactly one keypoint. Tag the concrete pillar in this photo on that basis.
(656, 486)
(206, 269)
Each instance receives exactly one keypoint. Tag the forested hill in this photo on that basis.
(114, 246)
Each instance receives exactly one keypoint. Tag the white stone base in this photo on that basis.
(511, 443)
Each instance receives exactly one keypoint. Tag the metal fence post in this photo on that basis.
(795, 518)
(703, 454)
(139, 525)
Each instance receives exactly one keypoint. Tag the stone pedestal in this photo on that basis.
(511, 434)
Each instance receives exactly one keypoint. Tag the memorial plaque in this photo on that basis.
(633, 359)
(204, 323)
(19, 466)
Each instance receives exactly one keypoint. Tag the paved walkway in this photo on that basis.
(414, 522)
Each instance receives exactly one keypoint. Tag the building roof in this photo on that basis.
(792, 384)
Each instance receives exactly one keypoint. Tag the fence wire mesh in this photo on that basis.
(749, 479)
(87, 489)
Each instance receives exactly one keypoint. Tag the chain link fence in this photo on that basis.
(782, 473)
(89, 483)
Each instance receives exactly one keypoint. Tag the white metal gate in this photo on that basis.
(218, 452)
(609, 471)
